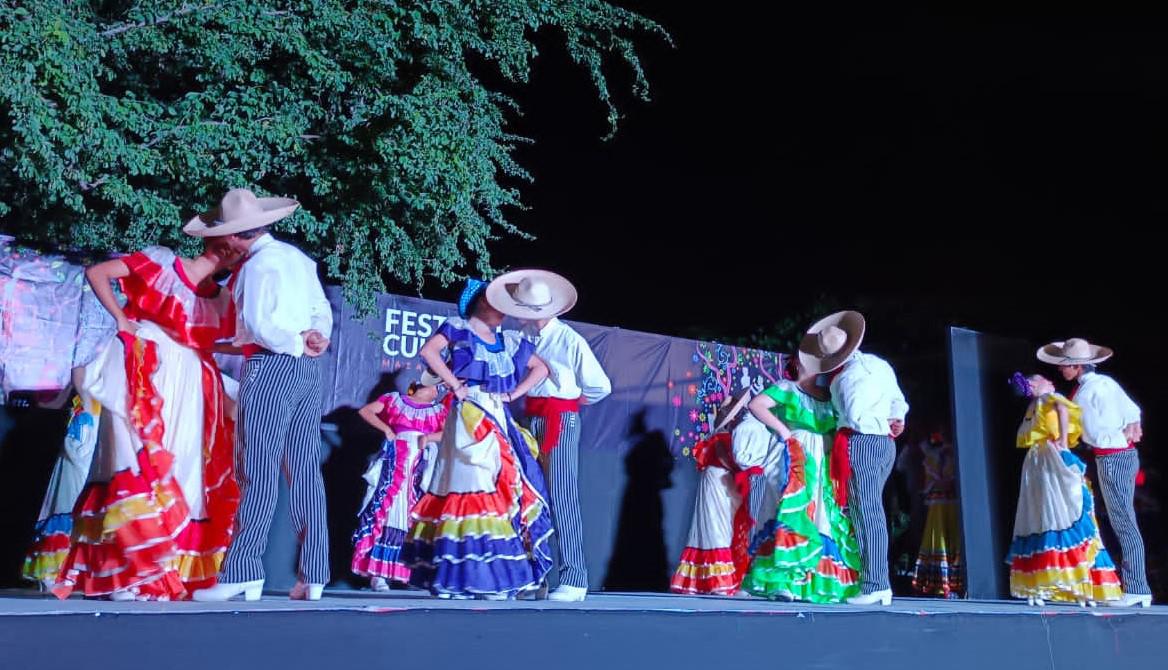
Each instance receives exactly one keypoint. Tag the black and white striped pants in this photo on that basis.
(279, 429)
(766, 490)
(1117, 481)
(562, 469)
(872, 458)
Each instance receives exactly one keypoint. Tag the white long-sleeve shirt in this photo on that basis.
(277, 297)
(1107, 410)
(866, 395)
(573, 371)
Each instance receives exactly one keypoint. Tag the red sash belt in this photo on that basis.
(1107, 452)
(841, 466)
(552, 411)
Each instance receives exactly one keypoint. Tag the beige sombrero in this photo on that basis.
(428, 378)
(531, 294)
(239, 211)
(730, 409)
(1075, 351)
(830, 341)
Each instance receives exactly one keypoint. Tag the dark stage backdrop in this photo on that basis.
(986, 417)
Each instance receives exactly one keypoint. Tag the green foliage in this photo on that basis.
(120, 119)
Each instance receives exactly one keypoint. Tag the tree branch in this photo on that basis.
(165, 18)
(762, 367)
(714, 369)
(158, 20)
(90, 185)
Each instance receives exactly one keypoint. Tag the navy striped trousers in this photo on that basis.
(562, 469)
(872, 458)
(278, 429)
(1117, 481)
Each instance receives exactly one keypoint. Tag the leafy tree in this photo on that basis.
(387, 119)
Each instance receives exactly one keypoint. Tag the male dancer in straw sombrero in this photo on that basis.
(871, 410)
(1111, 426)
(283, 323)
(575, 378)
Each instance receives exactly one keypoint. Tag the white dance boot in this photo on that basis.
(882, 597)
(306, 591)
(1131, 600)
(379, 585)
(568, 594)
(251, 591)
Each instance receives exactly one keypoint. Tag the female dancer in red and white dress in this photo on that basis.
(156, 515)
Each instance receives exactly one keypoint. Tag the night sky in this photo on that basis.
(1001, 173)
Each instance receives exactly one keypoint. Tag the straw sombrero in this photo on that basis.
(730, 409)
(1075, 351)
(239, 211)
(428, 378)
(830, 341)
(531, 294)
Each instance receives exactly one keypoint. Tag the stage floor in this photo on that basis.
(354, 629)
(21, 602)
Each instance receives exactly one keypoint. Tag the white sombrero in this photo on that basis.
(531, 294)
(730, 409)
(1075, 351)
(239, 211)
(830, 341)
